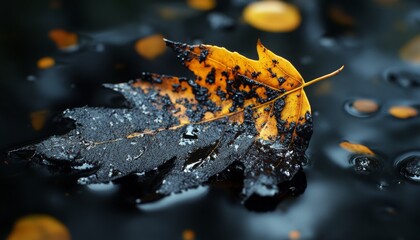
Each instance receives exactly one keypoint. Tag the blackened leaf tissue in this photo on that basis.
(235, 113)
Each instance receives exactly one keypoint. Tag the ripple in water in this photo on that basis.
(403, 77)
(408, 166)
(361, 108)
(365, 165)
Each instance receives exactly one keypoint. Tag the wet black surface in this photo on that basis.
(340, 201)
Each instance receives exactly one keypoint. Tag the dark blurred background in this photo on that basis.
(347, 196)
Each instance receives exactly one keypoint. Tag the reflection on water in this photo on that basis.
(173, 199)
(408, 166)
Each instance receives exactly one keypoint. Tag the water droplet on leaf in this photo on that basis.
(190, 132)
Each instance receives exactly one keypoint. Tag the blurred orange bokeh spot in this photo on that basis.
(38, 119)
(188, 234)
(151, 46)
(39, 227)
(62, 38)
(403, 112)
(203, 5)
(45, 62)
(294, 235)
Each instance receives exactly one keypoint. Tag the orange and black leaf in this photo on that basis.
(235, 112)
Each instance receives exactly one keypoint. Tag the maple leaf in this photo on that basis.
(249, 113)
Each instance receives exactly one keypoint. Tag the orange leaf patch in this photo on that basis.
(268, 91)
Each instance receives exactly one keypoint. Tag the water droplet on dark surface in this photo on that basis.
(382, 185)
(357, 108)
(403, 77)
(365, 165)
(408, 166)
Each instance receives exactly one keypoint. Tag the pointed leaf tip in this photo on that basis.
(168, 42)
(259, 43)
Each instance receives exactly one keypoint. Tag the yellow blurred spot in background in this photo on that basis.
(272, 16)
(188, 234)
(63, 39)
(410, 52)
(39, 227)
(403, 112)
(38, 119)
(45, 62)
(356, 148)
(150, 47)
(203, 5)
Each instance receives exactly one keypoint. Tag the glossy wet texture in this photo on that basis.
(344, 197)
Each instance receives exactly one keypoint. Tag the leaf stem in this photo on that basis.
(323, 77)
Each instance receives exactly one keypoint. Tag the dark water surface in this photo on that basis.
(350, 197)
